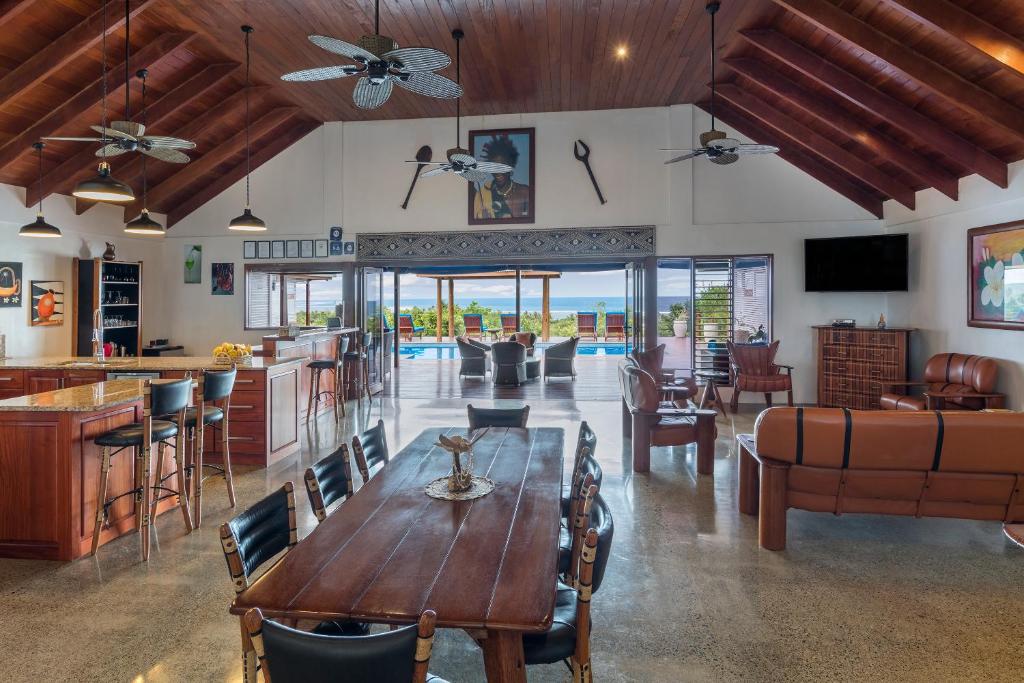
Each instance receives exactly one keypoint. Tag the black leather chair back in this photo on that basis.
(589, 465)
(217, 384)
(374, 445)
(497, 417)
(166, 398)
(333, 477)
(343, 343)
(602, 522)
(586, 439)
(265, 529)
(293, 656)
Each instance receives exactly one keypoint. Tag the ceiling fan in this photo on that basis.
(411, 68)
(715, 145)
(127, 136)
(460, 161)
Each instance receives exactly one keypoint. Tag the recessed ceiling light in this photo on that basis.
(621, 52)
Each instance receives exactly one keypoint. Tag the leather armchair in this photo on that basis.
(474, 359)
(527, 339)
(559, 359)
(952, 381)
(656, 424)
(754, 369)
(509, 360)
(966, 465)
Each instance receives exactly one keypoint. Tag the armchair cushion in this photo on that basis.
(950, 374)
(764, 383)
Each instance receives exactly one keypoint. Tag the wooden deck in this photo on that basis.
(596, 380)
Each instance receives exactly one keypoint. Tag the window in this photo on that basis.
(276, 298)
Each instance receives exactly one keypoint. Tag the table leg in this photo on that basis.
(504, 661)
(705, 444)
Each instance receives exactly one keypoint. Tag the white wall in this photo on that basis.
(50, 259)
(937, 301)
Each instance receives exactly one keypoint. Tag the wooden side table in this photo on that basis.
(711, 397)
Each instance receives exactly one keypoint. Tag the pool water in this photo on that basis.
(443, 351)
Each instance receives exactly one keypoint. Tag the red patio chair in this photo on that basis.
(509, 323)
(586, 325)
(406, 328)
(615, 325)
(474, 323)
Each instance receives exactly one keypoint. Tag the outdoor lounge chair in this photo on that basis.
(586, 325)
(509, 360)
(474, 323)
(406, 328)
(559, 359)
(509, 323)
(615, 325)
(475, 358)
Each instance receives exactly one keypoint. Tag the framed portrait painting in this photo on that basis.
(503, 197)
(995, 274)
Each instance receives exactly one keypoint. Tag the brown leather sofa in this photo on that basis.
(968, 465)
(952, 381)
(655, 423)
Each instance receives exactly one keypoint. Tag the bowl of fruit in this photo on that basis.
(228, 353)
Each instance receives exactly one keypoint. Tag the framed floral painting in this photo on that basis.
(995, 273)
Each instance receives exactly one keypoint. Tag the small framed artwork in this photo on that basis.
(263, 249)
(222, 279)
(349, 248)
(336, 248)
(277, 249)
(320, 249)
(249, 249)
(335, 233)
(995, 276)
(193, 264)
(291, 249)
(505, 197)
(47, 302)
(305, 248)
(10, 284)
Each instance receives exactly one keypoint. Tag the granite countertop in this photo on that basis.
(140, 364)
(87, 398)
(310, 332)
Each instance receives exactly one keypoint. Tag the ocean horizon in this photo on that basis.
(560, 305)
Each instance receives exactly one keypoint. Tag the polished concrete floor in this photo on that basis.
(688, 594)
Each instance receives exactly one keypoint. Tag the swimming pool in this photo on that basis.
(448, 351)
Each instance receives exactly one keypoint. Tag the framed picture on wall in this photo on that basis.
(10, 284)
(504, 197)
(263, 249)
(995, 276)
(335, 234)
(222, 279)
(336, 248)
(306, 249)
(291, 249)
(249, 249)
(47, 302)
(277, 249)
(320, 249)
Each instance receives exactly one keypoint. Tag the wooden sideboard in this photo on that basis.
(854, 363)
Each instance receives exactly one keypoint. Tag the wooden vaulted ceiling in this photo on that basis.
(876, 98)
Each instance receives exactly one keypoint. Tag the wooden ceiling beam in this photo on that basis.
(209, 161)
(836, 180)
(89, 96)
(910, 121)
(813, 143)
(10, 9)
(968, 29)
(838, 119)
(264, 154)
(71, 171)
(62, 50)
(936, 78)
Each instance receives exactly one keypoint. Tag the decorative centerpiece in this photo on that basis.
(460, 484)
(228, 354)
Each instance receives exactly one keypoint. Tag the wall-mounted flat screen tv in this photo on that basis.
(870, 263)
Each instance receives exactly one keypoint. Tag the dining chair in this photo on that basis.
(587, 464)
(287, 655)
(371, 449)
(568, 639)
(497, 417)
(328, 480)
(585, 438)
(569, 539)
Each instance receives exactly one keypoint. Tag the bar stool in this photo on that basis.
(214, 386)
(359, 360)
(334, 365)
(160, 397)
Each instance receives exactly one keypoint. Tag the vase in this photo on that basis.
(108, 255)
(679, 328)
(461, 477)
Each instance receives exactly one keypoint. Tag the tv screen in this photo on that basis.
(873, 263)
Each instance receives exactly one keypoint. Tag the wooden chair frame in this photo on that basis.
(316, 498)
(197, 442)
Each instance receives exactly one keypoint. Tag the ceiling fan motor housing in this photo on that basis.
(377, 45)
(710, 136)
(459, 155)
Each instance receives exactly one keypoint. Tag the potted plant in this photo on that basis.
(680, 323)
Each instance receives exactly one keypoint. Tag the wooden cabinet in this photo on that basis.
(115, 289)
(78, 378)
(855, 363)
(12, 383)
(38, 381)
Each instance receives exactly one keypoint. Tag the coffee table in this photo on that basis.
(711, 397)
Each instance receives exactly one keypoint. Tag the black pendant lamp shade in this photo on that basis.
(144, 225)
(39, 227)
(103, 187)
(247, 222)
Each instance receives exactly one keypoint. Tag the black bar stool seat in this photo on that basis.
(133, 434)
(211, 415)
(325, 363)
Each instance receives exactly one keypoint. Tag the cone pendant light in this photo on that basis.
(103, 187)
(39, 228)
(247, 222)
(144, 225)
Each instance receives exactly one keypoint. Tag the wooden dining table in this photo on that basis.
(388, 553)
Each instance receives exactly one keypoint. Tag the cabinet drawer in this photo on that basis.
(12, 380)
(248, 406)
(247, 437)
(250, 380)
(77, 378)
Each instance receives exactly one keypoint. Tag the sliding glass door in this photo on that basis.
(371, 320)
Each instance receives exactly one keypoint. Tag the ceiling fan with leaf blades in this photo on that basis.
(128, 136)
(460, 161)
(381, 64)
(716, 146)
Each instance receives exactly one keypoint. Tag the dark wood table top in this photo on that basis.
(390, 551)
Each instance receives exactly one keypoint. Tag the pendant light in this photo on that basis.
(247, 222)
(39, 228)
(103, 187)
(144, 225)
